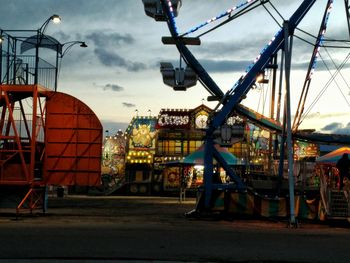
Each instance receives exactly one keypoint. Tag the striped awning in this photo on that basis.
(197, 157)
(333, 156)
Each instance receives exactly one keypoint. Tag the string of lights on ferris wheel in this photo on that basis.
(318, 45)
(172, 16)
(255, 60)
(319, 42)
(172, 21)
(228, 12)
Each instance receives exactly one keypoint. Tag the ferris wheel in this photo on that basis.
(274, 60)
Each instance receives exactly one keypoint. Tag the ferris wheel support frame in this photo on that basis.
(239, 92)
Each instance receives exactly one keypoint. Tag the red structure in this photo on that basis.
(47, 138)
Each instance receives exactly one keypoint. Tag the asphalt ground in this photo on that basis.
(154, 229)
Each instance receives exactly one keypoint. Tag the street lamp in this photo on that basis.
(70, 44)
(40, 32)
(56, 19)
(59, 55)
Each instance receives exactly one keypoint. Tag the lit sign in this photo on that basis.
(166, 119)
(172, 119)
(142, 133)
(304, 149)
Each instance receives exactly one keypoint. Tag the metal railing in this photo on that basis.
(20, 69)
(22, 123)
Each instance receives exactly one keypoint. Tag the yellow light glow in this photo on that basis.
(56, 19)
(259, 78)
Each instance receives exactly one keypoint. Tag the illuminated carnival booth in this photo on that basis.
(335, 198)
(141, 147)
(113, 162)
(180, 132)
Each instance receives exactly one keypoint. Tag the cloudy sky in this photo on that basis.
(118, 74)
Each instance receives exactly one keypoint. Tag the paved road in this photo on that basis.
(139, 229)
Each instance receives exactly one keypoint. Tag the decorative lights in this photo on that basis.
(263, 50)
(139, 157)
(166, 119)
(320, 40)
(172, 16)
(215, 18)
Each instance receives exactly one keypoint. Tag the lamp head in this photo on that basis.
(56, 19)
(1, 39)
(83, 44)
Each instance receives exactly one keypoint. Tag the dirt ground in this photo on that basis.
(154, 229)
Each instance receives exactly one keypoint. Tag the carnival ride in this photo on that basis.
(47, 138)
(282, 132)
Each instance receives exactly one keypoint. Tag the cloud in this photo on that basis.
(113, 87)
(332, 126)
(128, 105)
(113, 126)
(101, 39)
(327, 115)
(106, 43)
(62, 37)
(246, 48)
(112, 59)
(337, 128)
(225, 65)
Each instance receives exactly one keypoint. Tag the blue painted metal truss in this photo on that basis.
(231, 99)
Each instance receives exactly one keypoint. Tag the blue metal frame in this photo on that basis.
(241, 89)
(312, 65)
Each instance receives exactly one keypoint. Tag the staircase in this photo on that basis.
(339, 206)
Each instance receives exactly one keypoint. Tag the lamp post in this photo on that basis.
(40, 32)
(59, 55)
(39, 39)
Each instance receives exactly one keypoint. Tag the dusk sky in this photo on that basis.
(119, 71)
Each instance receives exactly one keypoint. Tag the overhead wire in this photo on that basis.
(335, 81)
(272, 16)
(231, 91)
(342, 76)
(323, 40)
(228, 12)
(325, 87)
(229, 19)
(276, 10)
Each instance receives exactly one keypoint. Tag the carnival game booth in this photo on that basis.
(336, 200)
(113, 163)
(141, 145)
(188, 173)
(180, 133)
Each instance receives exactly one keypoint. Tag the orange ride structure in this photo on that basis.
(47, 137)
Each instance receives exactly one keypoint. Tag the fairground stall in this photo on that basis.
(334, 194)
(113, 162)
(141, 147)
